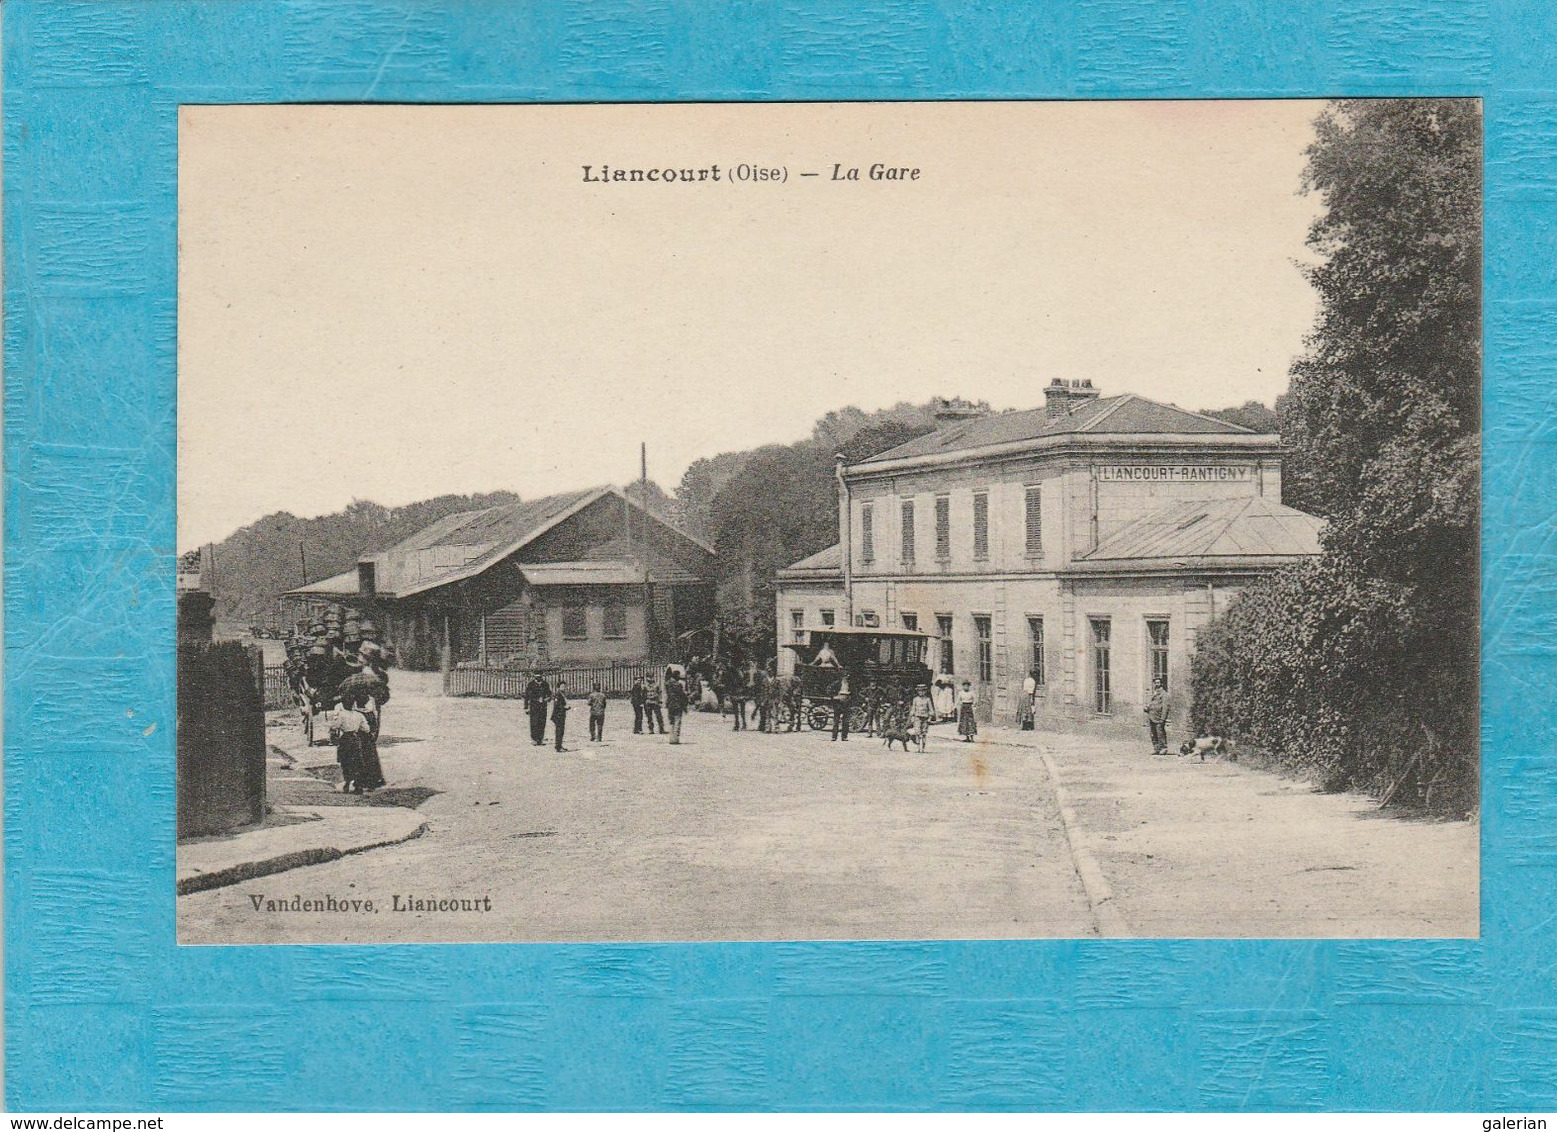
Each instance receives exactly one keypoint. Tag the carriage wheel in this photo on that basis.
(862, 718)
(820, 717)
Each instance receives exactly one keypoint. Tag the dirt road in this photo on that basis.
(744, 836)
(728, 836)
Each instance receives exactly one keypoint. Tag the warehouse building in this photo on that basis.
(1085, 542)
(586, 577)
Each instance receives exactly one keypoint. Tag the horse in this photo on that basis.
(784, 694)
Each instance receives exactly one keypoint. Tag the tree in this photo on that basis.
(1251, 414)
(1370, 654)
(780, 507)
(878, 438)
(700, 486)
(259, 562)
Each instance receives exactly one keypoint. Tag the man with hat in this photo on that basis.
(1157, 710)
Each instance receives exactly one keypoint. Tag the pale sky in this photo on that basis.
(393, 302)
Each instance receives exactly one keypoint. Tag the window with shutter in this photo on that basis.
(1035, 521)
(943, 630)
(981, 524)
(908, 531)
(1157, 646)
(1035, 639)
(943, 526)
(867, 533)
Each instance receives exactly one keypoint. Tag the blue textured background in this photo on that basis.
(103, 1011)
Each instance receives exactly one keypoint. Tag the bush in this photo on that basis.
(1356, 682)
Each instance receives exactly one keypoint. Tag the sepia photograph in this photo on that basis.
(828, 521)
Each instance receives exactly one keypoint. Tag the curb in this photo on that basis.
(249, 870)
(1105, 913)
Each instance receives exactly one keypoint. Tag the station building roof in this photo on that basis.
(1252, 527)
(1123, 415)
(465, 544)
(824, 565)
(344, 584)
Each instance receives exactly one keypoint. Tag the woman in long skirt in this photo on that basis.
(371, 772)
(967, 726)
(347, 729)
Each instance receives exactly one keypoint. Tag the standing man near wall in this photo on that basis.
(1157, 717)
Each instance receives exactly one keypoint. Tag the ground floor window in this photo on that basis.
(943, 628)
(911, 622)
(1102, 676)
(1035, 650)
(981, 626)
(575, 624)
(1157, 647)
(827, 618)
(797, 626)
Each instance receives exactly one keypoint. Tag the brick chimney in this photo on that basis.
(1062, 397)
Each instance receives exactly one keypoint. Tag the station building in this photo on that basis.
(587, 577)
(1086, 542)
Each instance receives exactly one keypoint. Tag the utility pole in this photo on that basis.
(643, 500)
(302, 553)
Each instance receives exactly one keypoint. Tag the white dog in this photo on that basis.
(1215, 744)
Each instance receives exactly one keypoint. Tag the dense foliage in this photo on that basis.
(766, 508)
(1251, 415)
(1362, 665)
(258, 563)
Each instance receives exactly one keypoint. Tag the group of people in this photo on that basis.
(338, 673)
(659, 704)
(653, 703)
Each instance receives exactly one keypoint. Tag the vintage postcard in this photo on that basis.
(828, 521)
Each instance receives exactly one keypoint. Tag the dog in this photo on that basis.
(895, 730)
(1215, 744)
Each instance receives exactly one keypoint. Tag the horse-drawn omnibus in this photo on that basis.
(885, 667)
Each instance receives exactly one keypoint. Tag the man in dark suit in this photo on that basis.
(537, 699)
(640, 696)
(841, 701)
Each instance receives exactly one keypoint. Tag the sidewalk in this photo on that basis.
(309, 822)
(291, 837)
(1220, 849)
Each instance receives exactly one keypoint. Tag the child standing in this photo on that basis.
(921, 711)
(597, 706)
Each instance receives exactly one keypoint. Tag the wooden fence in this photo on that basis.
(615, 679)
(278, 694)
